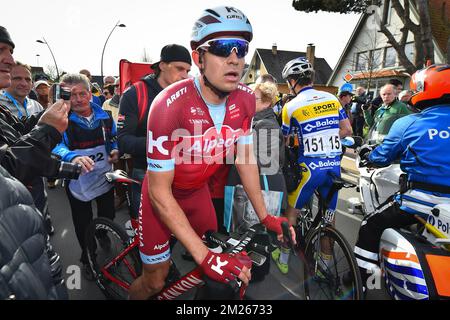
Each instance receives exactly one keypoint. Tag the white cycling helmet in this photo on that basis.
(220, 21)
(299, 67)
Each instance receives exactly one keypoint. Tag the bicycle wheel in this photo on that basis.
(337, 278)
(105, 242)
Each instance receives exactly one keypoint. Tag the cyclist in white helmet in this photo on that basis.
(211, 115)
(319, 122)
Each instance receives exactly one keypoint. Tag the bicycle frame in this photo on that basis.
(121, 257)
(183, 285)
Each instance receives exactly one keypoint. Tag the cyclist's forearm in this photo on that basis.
(345, 128)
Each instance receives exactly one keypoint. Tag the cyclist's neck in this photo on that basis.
(298, 88)
(208, 94)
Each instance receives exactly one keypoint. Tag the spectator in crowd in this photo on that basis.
(107, 80)
(398, 86)
(108, 91)
(345, 98)
(384, 116)
(95, 92)
(376, 103)
(15, 98)
(357, 111)
(174, 65)
(42, 89)
(269, 148)
(266, 78)
(90, 141)
(112, 103)
(25, 268)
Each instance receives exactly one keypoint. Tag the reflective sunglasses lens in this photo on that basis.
(223, 48)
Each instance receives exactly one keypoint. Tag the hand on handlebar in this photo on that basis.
(273, 224)
(223, 267)
(364, 153)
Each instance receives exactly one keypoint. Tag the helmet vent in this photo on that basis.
(209, 20)
(213, 12)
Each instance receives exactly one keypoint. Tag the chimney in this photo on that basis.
(311, 53)
(274, 49)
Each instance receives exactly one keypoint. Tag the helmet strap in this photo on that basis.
(294, 86)
(219, 93)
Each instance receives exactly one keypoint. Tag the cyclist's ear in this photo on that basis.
(197, 57)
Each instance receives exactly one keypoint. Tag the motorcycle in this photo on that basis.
(415, 262)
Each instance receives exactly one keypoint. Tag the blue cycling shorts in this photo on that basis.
(315, 176)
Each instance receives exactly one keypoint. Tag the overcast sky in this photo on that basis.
(77, 30)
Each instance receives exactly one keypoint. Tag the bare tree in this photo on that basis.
(421, 31)
(368, 58)
(145, 57)
(50, 70)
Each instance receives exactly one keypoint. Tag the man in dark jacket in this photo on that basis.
(29, 268)
(25, 145)
(175, 64)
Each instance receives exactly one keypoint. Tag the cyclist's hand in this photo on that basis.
(222, 267)
(273, 224)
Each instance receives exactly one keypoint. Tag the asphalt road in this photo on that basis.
(275, 286)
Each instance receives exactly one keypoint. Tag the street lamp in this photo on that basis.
(121, 25)
(54, 60)
(37, 58)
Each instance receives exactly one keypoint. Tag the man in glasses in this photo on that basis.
(193, 126)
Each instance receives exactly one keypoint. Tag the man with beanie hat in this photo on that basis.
(29, 268)
(174, 65)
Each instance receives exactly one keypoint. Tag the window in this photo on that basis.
(410, 51)
(361, 61)
(387, 12)
(390, 57)
(376, 58)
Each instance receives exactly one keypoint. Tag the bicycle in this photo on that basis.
(115, 270)
(338, 278)
(335, 278)
(116, 264)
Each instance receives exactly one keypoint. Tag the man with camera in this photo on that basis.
(90, 141)
(359, 102)
(29, 268)
(391, 110)
(16, 99)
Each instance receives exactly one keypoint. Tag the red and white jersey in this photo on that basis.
(181, 135)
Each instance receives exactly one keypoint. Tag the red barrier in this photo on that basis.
(131, 72)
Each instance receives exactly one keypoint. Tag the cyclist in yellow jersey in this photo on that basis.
(319, 122)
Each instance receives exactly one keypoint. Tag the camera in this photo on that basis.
(69, 170)
(365, 101)
(66, 170)
(60, 93)
(360, 99)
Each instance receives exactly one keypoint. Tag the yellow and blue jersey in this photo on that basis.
(314, 116)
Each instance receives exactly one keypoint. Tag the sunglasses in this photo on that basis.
(224, 47)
